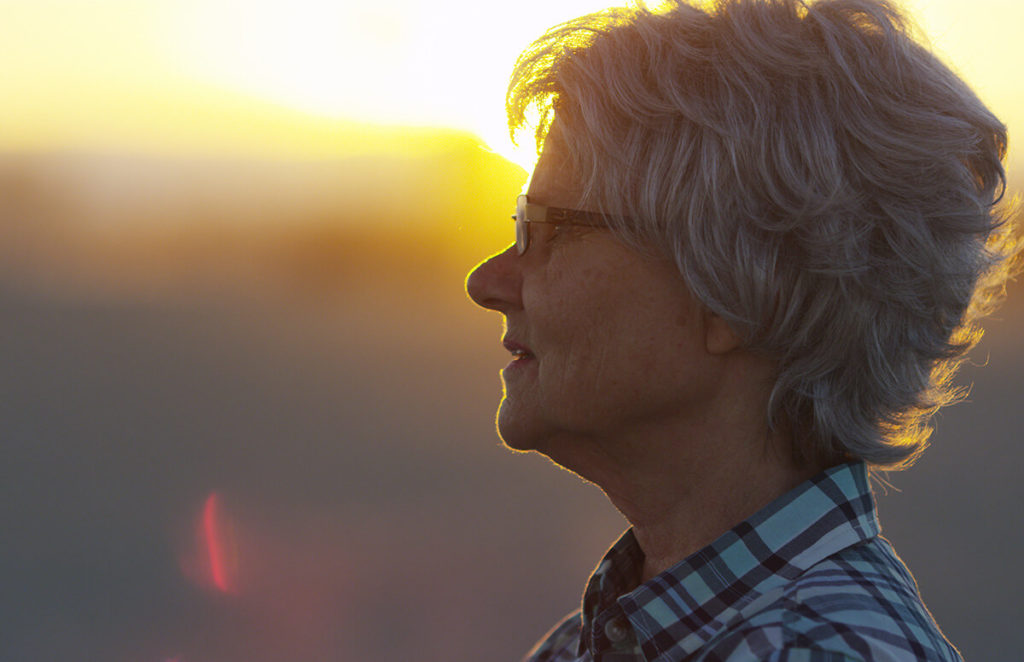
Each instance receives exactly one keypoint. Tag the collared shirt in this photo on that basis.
(805, 579)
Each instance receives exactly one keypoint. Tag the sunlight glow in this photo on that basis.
(227, 75)
(402, 62)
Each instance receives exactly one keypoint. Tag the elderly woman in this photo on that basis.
(751, 255)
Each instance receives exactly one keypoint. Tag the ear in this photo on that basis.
(719, 338)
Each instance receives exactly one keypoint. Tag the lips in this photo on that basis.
(519, 351)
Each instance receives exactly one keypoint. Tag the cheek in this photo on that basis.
(610, 339)
(643, 349)
(596, 359)
(574, 366)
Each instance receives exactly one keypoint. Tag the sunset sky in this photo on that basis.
(273, 78)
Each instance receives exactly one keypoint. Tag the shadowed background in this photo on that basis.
(247, 409)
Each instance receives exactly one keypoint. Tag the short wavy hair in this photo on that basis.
(823, 182)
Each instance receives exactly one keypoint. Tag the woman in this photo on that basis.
(750, 257)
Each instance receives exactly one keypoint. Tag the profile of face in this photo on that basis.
(606, 339)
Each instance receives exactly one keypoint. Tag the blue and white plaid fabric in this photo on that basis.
(806, 579)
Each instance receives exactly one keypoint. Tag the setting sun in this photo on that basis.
(405, 62)
(230, 75)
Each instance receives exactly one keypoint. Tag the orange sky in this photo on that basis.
(255, 76)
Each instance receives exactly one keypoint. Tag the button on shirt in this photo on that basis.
(805, 579)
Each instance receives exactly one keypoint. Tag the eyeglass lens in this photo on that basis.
(522, 229)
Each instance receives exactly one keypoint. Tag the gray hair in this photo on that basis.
(823, 182)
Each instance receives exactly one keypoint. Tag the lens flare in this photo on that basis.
(213, 561)
(214, 539)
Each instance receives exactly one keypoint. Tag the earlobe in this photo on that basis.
(719, 338)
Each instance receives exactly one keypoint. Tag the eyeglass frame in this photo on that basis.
(530, 212)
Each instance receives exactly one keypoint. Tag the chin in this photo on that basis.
(514, 439)
(516, 431)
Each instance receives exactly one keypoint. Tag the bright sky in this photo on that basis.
(171, 74)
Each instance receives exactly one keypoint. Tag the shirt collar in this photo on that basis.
(706, 591)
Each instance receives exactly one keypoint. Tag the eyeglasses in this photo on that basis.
(528, 212)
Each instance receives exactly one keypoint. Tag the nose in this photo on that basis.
(496, 283)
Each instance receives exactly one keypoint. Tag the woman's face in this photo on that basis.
(609, 340)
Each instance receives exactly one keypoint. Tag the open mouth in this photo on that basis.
(520, 353)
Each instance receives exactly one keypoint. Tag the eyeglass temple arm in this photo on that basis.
(542, 214)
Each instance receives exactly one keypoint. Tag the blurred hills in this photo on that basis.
(143, 225)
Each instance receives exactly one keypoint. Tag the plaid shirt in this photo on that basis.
(806, 579)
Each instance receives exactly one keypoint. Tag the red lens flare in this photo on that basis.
(214, 539)
(214, 560)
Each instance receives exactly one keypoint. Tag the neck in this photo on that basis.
(683, 483)
(678, 513)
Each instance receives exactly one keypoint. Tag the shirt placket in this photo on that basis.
(613, 637)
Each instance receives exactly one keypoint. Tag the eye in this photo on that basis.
(544, 232)
(569, 229)
(558, 231)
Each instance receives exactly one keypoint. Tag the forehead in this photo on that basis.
(554, 181)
